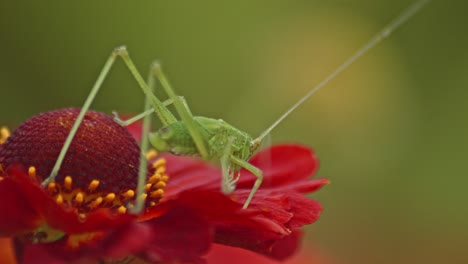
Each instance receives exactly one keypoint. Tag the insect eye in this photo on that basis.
(164, 130)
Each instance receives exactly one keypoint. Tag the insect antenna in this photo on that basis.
(383, 34)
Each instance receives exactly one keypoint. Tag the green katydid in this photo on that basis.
(211, 139)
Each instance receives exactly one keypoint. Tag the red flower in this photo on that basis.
(82, 215)
(231, 255)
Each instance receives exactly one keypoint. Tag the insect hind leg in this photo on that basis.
(184, 112)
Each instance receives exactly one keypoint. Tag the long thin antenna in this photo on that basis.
(384, 33)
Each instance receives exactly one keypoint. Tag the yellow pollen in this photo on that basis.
(68, 182)
(96, 202)
(165, 178)
(32, 172)
(129, 194)
(79, 198)
(159, 163)
(160, 185)
(151, 154)
(122, 209)
(59, 199)
(110, 197)
(82, 216)
(51, 186)
(152, 204)
(148, 187)
(4, 134)
(154, 178)
(161, 170)
(157, 193)
(93, 185)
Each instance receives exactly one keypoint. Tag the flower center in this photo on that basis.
(100, 169)
(87, 199)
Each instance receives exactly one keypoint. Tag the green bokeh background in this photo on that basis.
(390, 131)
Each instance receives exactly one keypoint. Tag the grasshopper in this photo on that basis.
(208, 138)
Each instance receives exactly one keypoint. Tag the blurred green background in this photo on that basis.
(390, 131)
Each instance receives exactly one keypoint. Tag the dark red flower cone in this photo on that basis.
(100, 147)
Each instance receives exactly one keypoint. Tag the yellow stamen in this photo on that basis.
(96, 202)
(122, 209)
(32, 172)
(161, 170)
(59, 199)
(4, 134)
(110, 197)
(51, 186)
(82, 216)
(93, 185)
(151, 154)
(165, 178)
(129, 194)
(68, 182)
(148, 187)
(154, 178)
(159, 163)
(157, 193)
(160, 185)
(79, 198)
(87, 198)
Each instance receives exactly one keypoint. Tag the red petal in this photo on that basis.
(35, 253)
(120, 242)
(180, 235)
(281, 165)
(18, 212)
(304, 186)
(261, 227)
(126, 241)
(260, 242)
(35, 204)
(190, 174)
(231, 255)
(98, 220)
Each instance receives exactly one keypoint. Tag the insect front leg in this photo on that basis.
(96, 87)
(228, 182)
(255, 171)
(147, 112)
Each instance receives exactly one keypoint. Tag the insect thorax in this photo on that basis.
(216, 134)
